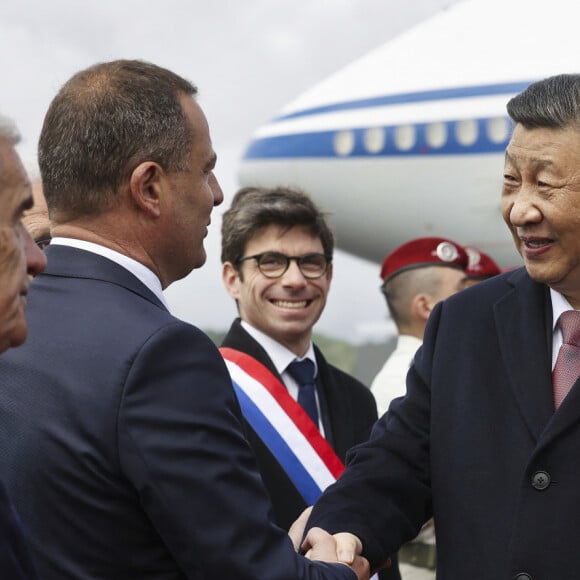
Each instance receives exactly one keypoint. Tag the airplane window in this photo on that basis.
(374, 139)
(498, 129)
(436, 135)
(344, 143)
(466, 132)
(405, 137)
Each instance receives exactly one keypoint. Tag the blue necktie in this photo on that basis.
(303, 373)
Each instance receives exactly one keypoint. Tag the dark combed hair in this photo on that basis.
(102, 124)
(255, 208)
(553, 102)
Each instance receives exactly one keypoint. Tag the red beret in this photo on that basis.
(480, 265)
(424, 252)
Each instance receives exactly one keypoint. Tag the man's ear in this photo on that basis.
(231, 278)
(329, 273)
(146, 186)
(421, 306)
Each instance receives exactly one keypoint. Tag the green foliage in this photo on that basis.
(339, 353)
(216, 335)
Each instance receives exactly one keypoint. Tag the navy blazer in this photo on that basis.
(477, 443)
(122, 441)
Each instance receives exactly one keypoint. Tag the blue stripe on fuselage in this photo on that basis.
(416, 97)
(321, 144)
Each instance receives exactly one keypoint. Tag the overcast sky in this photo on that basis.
(249, 58)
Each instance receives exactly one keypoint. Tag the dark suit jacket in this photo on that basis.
(348, 412)
(122, 440)
(15, 562)
(476, 442)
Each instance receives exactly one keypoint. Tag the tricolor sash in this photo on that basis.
(283, 425)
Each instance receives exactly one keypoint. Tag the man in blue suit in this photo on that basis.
(120, 434)
(487, 437)
(19, 260)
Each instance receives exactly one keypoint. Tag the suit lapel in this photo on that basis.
(239, 339)
(567, 415)
(524, 321)
(521, 326)
(65, 261)
(330, 411)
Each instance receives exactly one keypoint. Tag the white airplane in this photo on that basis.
(408, 141)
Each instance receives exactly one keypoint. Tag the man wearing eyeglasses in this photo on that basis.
(277, 264)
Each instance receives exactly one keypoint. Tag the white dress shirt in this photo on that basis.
(390, 382)
(281, 357)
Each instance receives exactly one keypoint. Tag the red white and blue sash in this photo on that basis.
(283, 426)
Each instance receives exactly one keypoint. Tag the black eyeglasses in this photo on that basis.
(43, 243)
(275, 264)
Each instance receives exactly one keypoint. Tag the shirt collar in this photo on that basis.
(140, 271)
(559, 305)
(280, 356)
(408, 341)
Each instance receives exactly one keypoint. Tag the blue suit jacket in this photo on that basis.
(475, 442)
(122, 440)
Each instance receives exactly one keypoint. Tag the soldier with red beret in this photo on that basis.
(416, 276)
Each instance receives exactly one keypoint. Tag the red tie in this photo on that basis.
(567, 369)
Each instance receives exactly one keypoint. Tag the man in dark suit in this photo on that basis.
(19, 260)
(120, 434)
(487, 437)
(277, 250)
